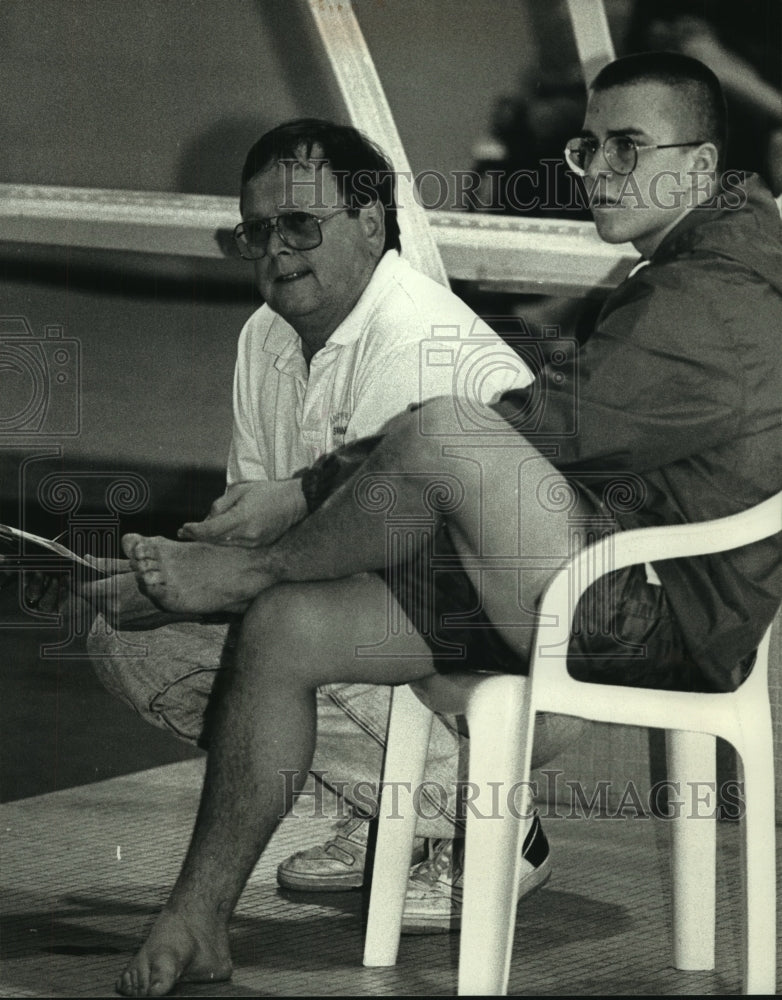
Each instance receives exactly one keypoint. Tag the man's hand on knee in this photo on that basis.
(250, 514)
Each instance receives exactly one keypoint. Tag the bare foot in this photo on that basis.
(125, 606)
(192, 577)
(175, 952)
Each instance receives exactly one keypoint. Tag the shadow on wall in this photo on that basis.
(211, 162)
(299, 83)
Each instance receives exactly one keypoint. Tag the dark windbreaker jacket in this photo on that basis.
(679, 388)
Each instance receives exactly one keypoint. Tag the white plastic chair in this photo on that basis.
(500, 711)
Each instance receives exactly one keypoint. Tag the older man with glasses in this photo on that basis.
(348, 336)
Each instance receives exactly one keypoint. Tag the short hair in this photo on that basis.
(699, 87)
(363, 172)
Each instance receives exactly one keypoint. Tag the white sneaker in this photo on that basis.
(331, 867)
(336, 865)
(434, 892)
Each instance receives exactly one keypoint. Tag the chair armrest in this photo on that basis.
(640, 545)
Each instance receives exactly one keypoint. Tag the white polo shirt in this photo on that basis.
(407, 339)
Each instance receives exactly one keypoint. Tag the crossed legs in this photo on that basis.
(295, 637)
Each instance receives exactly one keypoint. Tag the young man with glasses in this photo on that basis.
(674, 415)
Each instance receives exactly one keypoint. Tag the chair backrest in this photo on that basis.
(554, 687)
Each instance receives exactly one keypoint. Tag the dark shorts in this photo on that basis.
(624, 631)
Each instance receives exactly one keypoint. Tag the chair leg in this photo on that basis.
(759, 857)
(499, 757)
(692, 767)
(409, 729)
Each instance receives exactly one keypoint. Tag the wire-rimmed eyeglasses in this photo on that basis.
(620, 152)
(297, 230)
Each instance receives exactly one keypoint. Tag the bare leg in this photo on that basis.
(264, 725)
(510, 514)
(514, 519)
(511, 538)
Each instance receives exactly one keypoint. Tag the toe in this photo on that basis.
(125, 984)
(163, 975)
(129, 543)
(145, 550)
(134, 981)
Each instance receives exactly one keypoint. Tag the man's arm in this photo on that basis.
(256, 514)
(258, 503)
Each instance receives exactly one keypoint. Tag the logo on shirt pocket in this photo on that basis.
(339, 427)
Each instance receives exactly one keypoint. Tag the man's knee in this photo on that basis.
(436, 421)
(284, 622)
(418, 467)
(443, 416)
(270, 614)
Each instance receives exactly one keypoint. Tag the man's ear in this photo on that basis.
(705, 158)
(373, 221)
